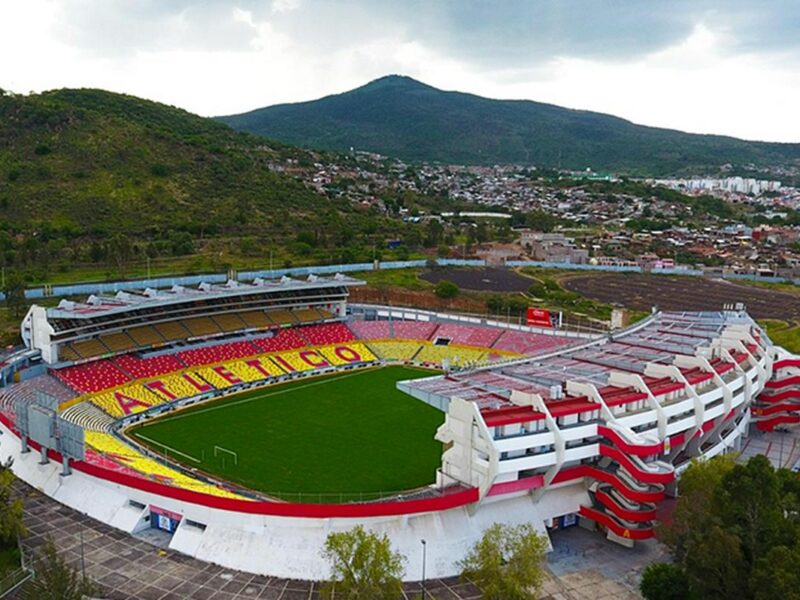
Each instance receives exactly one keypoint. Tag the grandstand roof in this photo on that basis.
(660, 340)
(122, 301)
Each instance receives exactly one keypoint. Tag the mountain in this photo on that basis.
(404, 118)
(93, 163)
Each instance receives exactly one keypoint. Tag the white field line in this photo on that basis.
(223, 405)
(169, 448)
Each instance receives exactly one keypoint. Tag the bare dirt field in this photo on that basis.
(641, 292)
(481, 280)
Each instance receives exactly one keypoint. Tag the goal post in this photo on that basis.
(223, 452)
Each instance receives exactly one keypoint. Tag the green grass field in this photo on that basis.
(340, 437)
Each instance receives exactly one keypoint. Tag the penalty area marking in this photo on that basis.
(258, 397)
(170, 449)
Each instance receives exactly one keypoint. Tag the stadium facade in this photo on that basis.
(541, 426)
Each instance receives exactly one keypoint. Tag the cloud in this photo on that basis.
(722, 66)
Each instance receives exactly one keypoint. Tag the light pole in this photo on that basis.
(424, 548)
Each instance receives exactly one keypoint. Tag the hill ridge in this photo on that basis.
(402, 117)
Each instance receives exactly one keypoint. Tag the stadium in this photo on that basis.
(241, 423)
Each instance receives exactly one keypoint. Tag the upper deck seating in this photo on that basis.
(284, 339)
(118, 342)
(148, 367)
(414, 330)
(229, 322)
(529, 343)
(67, 352)
(172, 330)
(92, 377)
(327, 333)
(371, 330)
(218, 353)
(469, 335)
(282, 316)
(90, 348)
(145, 335)
(256, 319)
(199, 326)
(306, 315)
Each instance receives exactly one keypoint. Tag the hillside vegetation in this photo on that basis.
(401, 117)
(92, 180)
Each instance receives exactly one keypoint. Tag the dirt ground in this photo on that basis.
(481, 280)
(641, 292)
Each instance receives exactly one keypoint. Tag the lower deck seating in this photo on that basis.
(414, 330)
(218, 353)
(126, 400)
(523, 342)
(402, 350)
(111, 448)
(284, 339)
(148, 367)
(92, 377)
(371, 330)
(457, 355)
(326, 333)
(469, 335)
(344, 354)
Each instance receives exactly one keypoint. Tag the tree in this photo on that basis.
(11, 509)
(693, 517)
(362, 566)
(55, 580)
(506, 563)
(15, 293)
(120, 249)
(664, 581)
(716, 566)
(775, 576)
(446, 290)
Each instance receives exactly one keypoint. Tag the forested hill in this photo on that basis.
(404, 118)
(90, 162)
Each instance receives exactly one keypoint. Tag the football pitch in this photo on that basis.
(336, 438)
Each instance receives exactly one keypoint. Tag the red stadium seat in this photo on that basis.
(218, 353)
(92, 377)
(328, 333)
(148, 367)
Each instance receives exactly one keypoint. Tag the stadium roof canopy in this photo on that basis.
(106, 305)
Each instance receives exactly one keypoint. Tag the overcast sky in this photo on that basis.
(711, 66)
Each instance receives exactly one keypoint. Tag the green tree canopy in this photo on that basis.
(664, 581)
(363, 566)
(54, 579)
(446, 289)
(506, 563)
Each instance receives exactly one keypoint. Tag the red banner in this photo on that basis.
(539, 317)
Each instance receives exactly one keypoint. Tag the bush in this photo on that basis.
(664, 581)
(446, 289)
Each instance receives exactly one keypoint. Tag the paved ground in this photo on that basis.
(586, 565)
(781, 447)
(129, 568)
